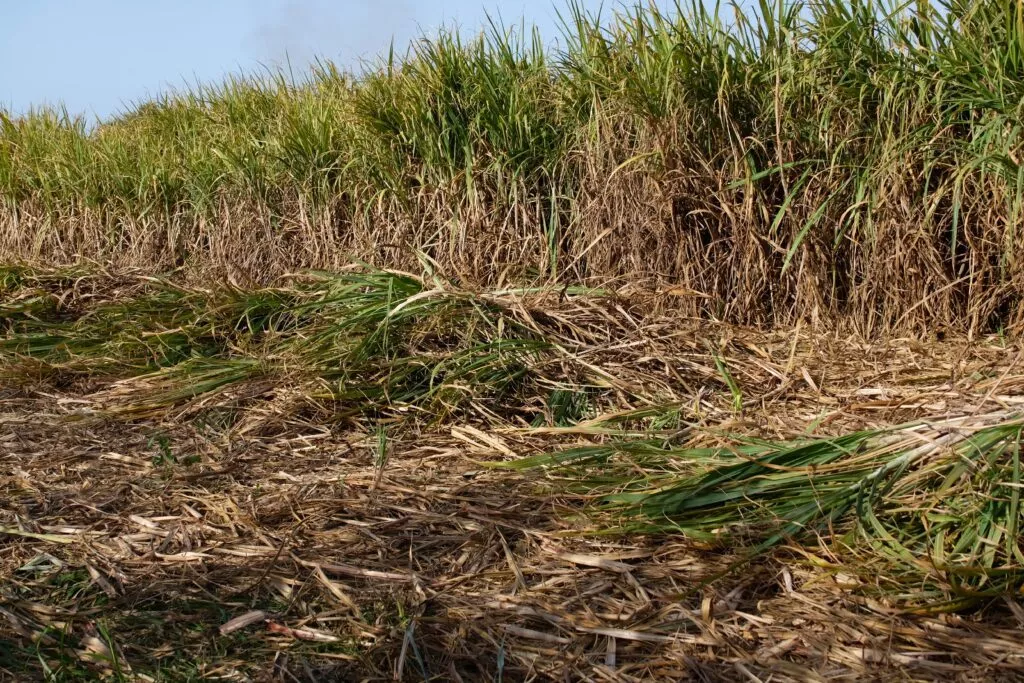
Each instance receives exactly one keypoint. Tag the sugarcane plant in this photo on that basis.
(932, 509)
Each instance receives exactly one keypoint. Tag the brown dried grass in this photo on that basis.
(345, 570)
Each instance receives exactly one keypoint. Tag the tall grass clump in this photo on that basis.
(362, 342)
(850, 163)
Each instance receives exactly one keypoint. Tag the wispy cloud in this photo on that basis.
(298, 31)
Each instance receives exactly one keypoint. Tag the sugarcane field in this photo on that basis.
(685, 347)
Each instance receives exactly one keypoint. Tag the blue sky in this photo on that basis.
(98, 56)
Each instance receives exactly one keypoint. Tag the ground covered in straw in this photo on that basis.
(257, 531)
